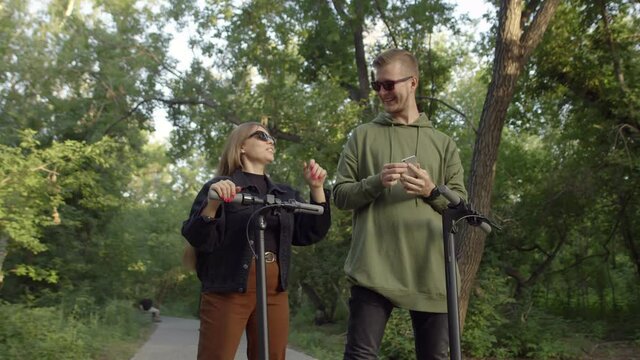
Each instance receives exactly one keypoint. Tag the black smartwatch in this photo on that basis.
(434, 194)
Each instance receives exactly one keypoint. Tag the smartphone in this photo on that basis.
(411, 160)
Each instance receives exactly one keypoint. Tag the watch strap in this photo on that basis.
(434, 194)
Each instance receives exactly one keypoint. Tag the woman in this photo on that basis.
(225, 257)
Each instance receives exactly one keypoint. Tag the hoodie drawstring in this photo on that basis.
(416, 153)
(391, 151)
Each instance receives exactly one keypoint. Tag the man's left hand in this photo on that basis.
(417, 181)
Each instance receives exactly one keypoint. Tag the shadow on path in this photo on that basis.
(177, 339)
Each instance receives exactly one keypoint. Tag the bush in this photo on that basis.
(121, 319)
(498, 326)
(41, 333)
(183, 300)
(536, 335)
(398, 342)
(67, 332)
(484, 317)
(320, 341)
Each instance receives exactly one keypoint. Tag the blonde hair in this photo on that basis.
(230, 160)
(189, 257)
(407, 59)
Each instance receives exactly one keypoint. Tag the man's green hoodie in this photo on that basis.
(397, 246)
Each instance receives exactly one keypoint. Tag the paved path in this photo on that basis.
(177, 339)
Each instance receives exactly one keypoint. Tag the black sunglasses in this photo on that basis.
(263, 136)
(388, 85)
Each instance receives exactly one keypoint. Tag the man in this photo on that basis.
(396, 257)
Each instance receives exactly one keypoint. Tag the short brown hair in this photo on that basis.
(230, 160)
(407, 59)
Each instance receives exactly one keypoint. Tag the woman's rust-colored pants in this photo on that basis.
(223, 318)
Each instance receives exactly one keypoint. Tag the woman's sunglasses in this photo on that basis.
(388, 85)
(263, 136)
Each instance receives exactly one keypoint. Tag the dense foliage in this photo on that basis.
(91, 209)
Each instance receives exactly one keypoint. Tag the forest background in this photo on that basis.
(543, 106)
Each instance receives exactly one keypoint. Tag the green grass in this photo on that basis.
(323, 342)
(124, 349)
(112, 332)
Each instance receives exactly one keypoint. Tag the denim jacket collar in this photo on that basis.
(240, 179)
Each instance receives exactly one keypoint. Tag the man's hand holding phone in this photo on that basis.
(408, 172)
(391, 173)
(416, 180)
(413, 160)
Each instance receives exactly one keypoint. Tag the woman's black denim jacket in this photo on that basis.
(223, 253)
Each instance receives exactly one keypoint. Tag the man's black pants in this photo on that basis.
(368, 316)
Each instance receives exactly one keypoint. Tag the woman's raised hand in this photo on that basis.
(314, 174)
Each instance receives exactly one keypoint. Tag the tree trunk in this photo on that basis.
(363, 79)
(523, 283)
(627, 234)
(4, 244)
(355, 23)
(321, 315)
(615, 56)
(514, 45)
(361, 62)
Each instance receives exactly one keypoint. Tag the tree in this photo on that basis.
(520, 29)
(72, 74)
(34, 183)
(79, 78)
(575, 101)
